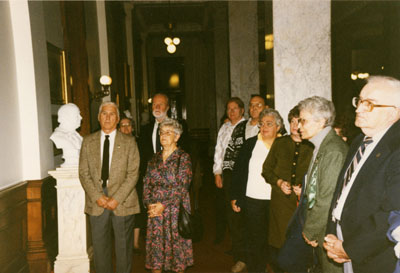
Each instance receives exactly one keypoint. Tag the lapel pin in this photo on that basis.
(378, 155)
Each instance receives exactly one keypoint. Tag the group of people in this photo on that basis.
(307, 202)
(300, 201)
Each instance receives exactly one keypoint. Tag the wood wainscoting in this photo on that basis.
(13, 229)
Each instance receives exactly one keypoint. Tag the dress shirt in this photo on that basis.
(154, 136)
(256, 186)
(112, 140)
(337, 212)
(251, 130)
(224, 135)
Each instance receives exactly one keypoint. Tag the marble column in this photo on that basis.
(243, 49)
(221, 58)
(302, 51)
(72, 250)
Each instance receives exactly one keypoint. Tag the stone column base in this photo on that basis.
(72, 265)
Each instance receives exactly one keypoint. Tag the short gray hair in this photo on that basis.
(105, 103)
(172, 123)
(320, 108)
(273, 113)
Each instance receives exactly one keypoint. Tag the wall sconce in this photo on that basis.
(269, 41)
(105, 82)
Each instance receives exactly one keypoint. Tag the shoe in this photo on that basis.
(137, 251)
(238, 267)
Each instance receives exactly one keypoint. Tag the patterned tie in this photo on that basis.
(356, 160)
(106, 160)
(158, 144)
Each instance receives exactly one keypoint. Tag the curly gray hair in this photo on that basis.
(320, 108)
(172, 123)
(274, 113)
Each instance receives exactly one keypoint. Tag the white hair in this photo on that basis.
(105, 103)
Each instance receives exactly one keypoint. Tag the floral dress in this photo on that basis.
(165, 248)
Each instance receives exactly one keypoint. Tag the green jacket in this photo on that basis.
(324, 173)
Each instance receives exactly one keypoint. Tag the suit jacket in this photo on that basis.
(325, 170)
(122, 177)
(375, 192)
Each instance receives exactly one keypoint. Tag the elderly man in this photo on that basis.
(149, 140)
(368, 187)
(317, 115)
(108, 171)
(256, 105)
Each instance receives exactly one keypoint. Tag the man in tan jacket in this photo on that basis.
(108, 171)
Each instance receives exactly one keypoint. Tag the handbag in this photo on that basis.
(185, 225)
(190, 226)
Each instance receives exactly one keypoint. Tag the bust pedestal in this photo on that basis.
(72, 249)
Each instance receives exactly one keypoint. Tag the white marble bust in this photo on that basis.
(66, 137)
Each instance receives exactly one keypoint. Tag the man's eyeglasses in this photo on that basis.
(367, 104)
(255, 105)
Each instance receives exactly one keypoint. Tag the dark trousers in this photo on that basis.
(101, 227)
(256, 213)
(295, 255)
(220, 215)
(236, 222)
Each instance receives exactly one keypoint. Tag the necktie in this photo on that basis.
(158, 144)
(356, 160)
(106, 160)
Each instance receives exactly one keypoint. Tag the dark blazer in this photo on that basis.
(241, 172)
(375, 192)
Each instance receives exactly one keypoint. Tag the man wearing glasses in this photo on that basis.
(368, 187)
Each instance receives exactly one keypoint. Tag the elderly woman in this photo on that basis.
(166, 185)
(284, 169)
(249, 190)
(317, 115)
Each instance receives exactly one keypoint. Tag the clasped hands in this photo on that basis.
(155, 210)
(107, 202)
(335, 250)
(287, 188)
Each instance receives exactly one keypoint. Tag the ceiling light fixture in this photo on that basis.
(170, 41)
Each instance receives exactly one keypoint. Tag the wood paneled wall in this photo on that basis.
(13, 229)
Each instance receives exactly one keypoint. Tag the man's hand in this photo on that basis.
(311, 243)
(335, 250)
(102, 201)
(285, 186)
(112, 204)
(234, 207)
(155, 210)
(218, 181)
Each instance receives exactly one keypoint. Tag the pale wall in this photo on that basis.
(10, 159)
